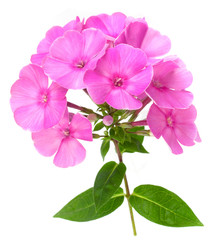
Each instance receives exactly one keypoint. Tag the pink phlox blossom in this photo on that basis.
(121, 75)
(72, 55)
(176, 126)
(62, 140)
(169, 82)
(51, 35)
(35, 105)
(139, 35)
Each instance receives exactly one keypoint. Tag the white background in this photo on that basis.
(32, 189)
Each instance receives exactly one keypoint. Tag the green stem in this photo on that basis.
(126, 187)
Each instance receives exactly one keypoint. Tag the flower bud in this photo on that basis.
(107, 120)
(92, 117)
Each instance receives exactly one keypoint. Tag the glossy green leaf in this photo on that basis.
(98, 126)
(107, 182)
(134, 145)
(162, 206)
(82, 208)
(105, 147)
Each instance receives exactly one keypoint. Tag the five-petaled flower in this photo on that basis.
(51, 35)
(62, 140)
(120, 75)
(72, 55)
(174, 125)
(170, 79)
(35, 105)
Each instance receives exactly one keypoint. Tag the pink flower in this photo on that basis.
(36, 106)
(174, 125)
(121, 75)
(170, 79)
(139, 35)
(107, 120)
(72, 55)
(62, 140)
(52, 34)
(110, 25)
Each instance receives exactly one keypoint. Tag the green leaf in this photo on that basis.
(135, 129)
(82, 208)
(105, 147)
(107, 182)
(134, 145)
(162, 206)
(118, 134)
(98, 126)
(119, 112)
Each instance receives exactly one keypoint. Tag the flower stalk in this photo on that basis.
(126, 188)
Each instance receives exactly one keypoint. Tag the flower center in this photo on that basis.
(157, 84)
(66, 132)
(80, 64)
(44, 98)
(118, 82)
(169, 121)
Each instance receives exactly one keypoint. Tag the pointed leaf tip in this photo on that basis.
(82, 207)
(162, 206)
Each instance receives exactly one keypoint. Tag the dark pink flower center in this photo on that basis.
(169, 121)
(80, 64)
(66, 132)
(118, 81)
(157, 83)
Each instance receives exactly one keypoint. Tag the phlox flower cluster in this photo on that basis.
(118, 61)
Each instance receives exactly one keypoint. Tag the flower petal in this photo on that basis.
(178, 79)
(162, 68)
(30, 117)
(70, 153)
(170, 138)
(81, 128)
(111, 25)
(56, 92)
(74, 25)
(156, 120)
(35, 74)
(54, 111)
(185, 115)
(186, 133)
(120, 99)
(47, 141)
(167, 98)
(53, 33)
(108, 65)
(133, 34)
(73, 79)
(98, 86)
(24, 92)
(92, 36)
(56, 69)
(38, 58)
(155, 44)
(138, 83)
(132, 60)
(68, 48)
